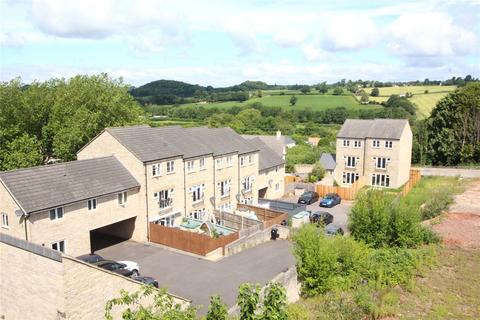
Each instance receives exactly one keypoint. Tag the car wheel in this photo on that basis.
(135, 273)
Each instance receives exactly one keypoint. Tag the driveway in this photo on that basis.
(449, 172)
(340, 212)
(197, 279)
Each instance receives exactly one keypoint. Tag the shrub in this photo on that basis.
(248, 298)
(217, 310)
(318, 171)
(439, 200)
(274, 302)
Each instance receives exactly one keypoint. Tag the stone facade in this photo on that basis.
(383, 162)
(37, 286)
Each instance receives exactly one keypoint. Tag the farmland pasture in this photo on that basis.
(388, 91)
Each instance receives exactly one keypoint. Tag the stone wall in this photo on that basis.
(255, 239)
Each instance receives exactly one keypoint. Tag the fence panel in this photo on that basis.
(415, 176)
(188, 241)
(346, 193)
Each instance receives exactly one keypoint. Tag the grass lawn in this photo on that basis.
(424, 190)
(426, 102)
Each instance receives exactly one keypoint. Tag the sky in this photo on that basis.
(222, 43)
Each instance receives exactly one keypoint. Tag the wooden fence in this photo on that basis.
(346, 193)
(267, 216)
(415, 177)
(189, 241)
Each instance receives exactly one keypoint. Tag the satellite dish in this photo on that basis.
(18, 213)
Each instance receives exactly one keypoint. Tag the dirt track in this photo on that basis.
(461, 226)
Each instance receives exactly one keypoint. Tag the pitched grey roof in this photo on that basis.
(149, 144)
(268, 157)
(277, 144)
(376, 128)
(50, 186)
(328, 161)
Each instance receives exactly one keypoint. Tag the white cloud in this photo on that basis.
(429, 34)
(349, 32)
(313, 51)
(290, 37)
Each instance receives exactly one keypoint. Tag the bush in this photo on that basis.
(318, 171)
(380, 221)
(439, 201)
(217, 310)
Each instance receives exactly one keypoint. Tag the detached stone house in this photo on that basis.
(127, 177)
(379, 150)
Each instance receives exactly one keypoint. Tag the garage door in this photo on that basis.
(111, 234)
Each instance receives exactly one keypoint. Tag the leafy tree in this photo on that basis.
(305, 89)
(293, 100)
(248, 299)
(375, 92)
(274, 303)
(217, 310)
(395, 101)
(23, 151)
(162, 308)
(364, 99)
(322, 88)
(338, 91)
(454, 127)
(318, 171)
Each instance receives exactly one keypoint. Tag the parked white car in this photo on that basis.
(131, 266)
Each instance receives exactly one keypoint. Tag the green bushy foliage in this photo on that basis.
(217, 310)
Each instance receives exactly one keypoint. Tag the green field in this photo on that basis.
(388, 91)
(426, 102)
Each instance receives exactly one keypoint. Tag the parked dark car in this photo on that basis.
(330, 200)
(333, 230)
(308, 197)
(146, 280)
(114, 266)
(90, 258)
(321, 217)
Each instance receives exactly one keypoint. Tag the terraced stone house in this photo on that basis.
(379, 150)
(127, 177)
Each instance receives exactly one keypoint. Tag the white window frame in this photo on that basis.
(351, 161)
(191, 166)
(198, 214)
(92, 204)
(59, 245)
(346, 143)
(350, 177)
(198, 193)
(201, 163)
(248, 200)
(164, 198)
(219, 163)
(242, 161)
(5, 220)
(247, 183)
(227, 207)
(156, 170)
(381, 163)
(170, 167)
(376, 143)
(224, 187)
(250, 159)
(388, 144)
(357, 143)
(277, 186)
(380, 180)
(229, 161)
(122, 198)
(167, 221)
(56, 215)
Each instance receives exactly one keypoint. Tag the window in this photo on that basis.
(227, 206)
(388, 144)
(224, 187)
(198, 214)
(156, 169)
(350, 177)
(381, 163)
(357, 143)
(381, 180)
(277, 187)
(248, 200)
(351, 162)
(219, 163)
(247, 183)
(250, 158)
(4, 220)
(170, 166)
(376, 143)
(122, 198)
(202, 163)
(197, 192)
(56, 213)
(167, 221)
(346, 143)
(242, 161)
(164, 198)
(59, 246)
(229, 161)
(190, 165)
(92, 204)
